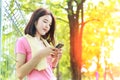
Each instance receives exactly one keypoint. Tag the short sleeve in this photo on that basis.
(20, 46)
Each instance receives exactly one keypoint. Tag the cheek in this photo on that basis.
(49, 28)
(39, 25)
(38, 28)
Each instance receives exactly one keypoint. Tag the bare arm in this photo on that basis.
(23, 68)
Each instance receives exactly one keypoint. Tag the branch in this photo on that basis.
(76, 1)
(63, 7)
(80, 4)
(62, 20)
(70, 7)
(89, 21)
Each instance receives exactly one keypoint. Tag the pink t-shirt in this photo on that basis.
(23, 47)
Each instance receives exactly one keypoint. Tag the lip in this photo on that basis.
(45, 30)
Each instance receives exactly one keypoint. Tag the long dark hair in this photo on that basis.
(31, 29)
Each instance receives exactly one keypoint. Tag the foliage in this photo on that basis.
(99, 33)
(10, 33)
(8, 57)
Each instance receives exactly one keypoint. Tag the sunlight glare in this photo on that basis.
(93, 66)
(115, 54)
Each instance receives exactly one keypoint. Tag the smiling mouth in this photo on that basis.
(45, 30)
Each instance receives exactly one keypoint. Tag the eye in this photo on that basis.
(44, 21)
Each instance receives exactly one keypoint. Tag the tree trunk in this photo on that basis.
(76, 50)
(75, 39)
(75, 53)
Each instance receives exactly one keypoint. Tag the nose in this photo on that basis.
(47, 26)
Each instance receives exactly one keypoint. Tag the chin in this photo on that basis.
(43, 34)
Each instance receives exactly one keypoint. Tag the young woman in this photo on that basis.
(35, 57)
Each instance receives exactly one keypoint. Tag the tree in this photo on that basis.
(75, 36)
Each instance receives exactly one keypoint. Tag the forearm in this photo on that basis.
(26, 68)
(55, 62)
(56, 59)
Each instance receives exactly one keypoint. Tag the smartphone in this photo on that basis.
(60, 45)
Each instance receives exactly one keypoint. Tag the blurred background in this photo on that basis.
(89, 29)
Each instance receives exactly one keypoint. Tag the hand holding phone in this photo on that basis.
(59, 53)
(60, 45)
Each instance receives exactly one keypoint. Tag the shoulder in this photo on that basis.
(22, 45)
(21, 40)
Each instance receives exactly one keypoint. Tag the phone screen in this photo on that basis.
(60, 45)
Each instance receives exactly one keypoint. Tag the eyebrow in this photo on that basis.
(48, 21)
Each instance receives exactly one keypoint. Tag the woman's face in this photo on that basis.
(43, 25)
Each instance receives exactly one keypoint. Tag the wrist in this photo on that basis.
(53, 67)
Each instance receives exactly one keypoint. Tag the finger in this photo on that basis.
(59, 52)
(51, 47)
(60, 49)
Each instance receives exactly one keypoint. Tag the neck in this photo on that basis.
(38, 36)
